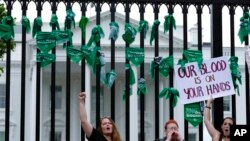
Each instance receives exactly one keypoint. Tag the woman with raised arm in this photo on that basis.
(106, 130)
(224, 133)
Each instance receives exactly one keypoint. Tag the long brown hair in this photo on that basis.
(115, 133)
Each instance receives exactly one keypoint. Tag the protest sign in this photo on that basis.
(198, 84)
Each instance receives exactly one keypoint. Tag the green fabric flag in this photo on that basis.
(89, 54)
(26, 23)
(74, 54)
(143, 27)
(82, 24)
(45, 41)
(37, 26)
(96, 35)
(191, 56)
(54, 21)
(131, 74)
(192, 113)
(130, 34)
(236, 75)
(124, 94)
(110, 78)
(99, 60)
(5, 32)
(8, 20)
(168, 93)
(164, 64)
(45, 58)
(114, 30)
(169, 21)
(142, 89)
(70, 16)
(135, 55)
(244, 26)
(154, 28)
(63, 36)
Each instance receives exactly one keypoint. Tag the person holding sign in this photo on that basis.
(106, 131)
(171, 131)
(224, 134)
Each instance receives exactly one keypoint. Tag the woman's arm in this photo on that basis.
(207, 119)
(86, 125)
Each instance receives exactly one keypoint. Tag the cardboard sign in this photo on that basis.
(198, 84)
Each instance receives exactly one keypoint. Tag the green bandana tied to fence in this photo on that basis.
(45, 41)
(169, 21)
(142, 89)
(114, 30)
(124, 93)
(5, 32)
(168, 93)
(54, 22)
(131, 74)
(74, 54)
(236, 75)
(154, 28)
(8, 20)
(192, 113)
(63, 36)
(110, 78)
(191, 56)
(26, 23)
(37, 26)
(130, 34)
(45, 58)
(82, 24)
(135, 55)
(89, 54)
(70, 16)
(244, 26)
(96, 35)
(143, 27)
(164, 64)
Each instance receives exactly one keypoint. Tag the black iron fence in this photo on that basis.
(215, 8)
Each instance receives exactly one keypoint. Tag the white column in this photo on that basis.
(31, 109)
(134, 110)
(87, 90)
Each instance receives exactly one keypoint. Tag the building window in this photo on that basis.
(192, 137)
(58, 136)
(58, 97)
(2, 96)
(2, 136)
(226, 103)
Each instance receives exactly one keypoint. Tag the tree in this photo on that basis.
(3, 42)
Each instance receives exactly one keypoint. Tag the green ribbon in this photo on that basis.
(130, 34)
(168, 93)
(70, 16)
(165, 64)
(110, 78)
(45, 41)
(143, 27)
(99, 60)
(5, 32)
(114, 30)
(244, 26)
(236, 75)
(82, 24)
(169, 21)
(8, 20)
(89, 54)
(54, 21)
(63, 36)
(191, 56)
(96, 35)
(26, 23)
(74, 54)
(37, 26)
(45, 58)
(131, 74)
(135, 55)
(193, 114)
(142, 89)
(154, 28)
